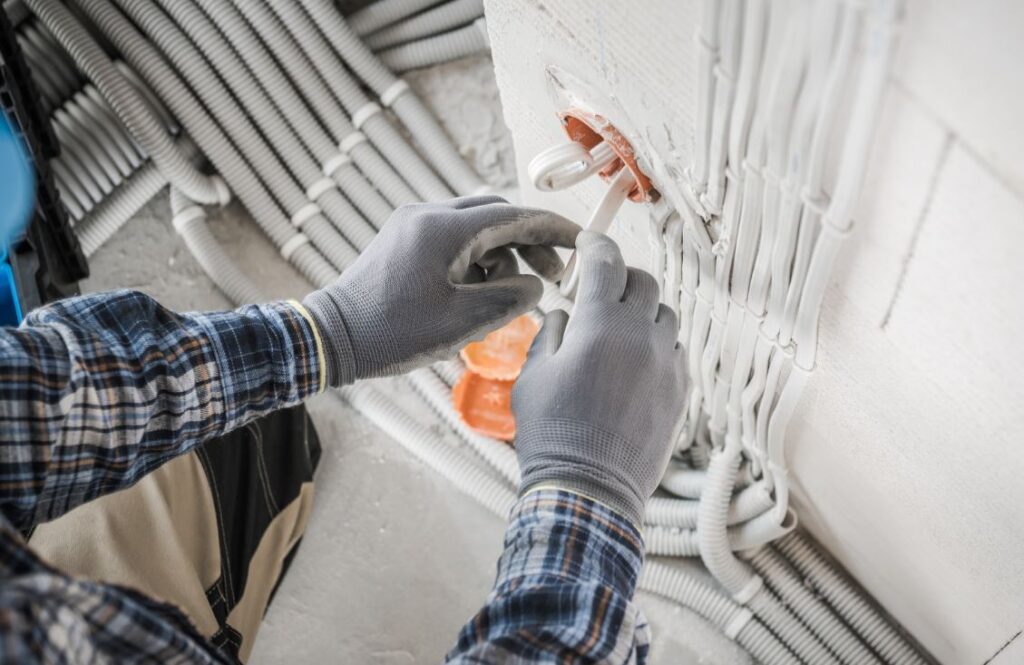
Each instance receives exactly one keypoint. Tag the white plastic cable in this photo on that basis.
(423, 126)
(122, 97)
(459, 43)
(442, 18)
(382, 13)
(318, 95)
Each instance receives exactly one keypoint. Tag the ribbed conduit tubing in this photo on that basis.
(329, 111)
(193, 27)
(244, 181)
(716, 608)
(288, 99)
(715, 551)
(459, 43)
(847, 601)
(500, 455)
(423, 126)
(112, 213)
(810, 609)
(431, 449)
(233, 119)
(190, 223)
(442, 18)
(347, 90)
(126, 102)
(378, 14)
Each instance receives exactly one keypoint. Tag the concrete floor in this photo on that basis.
(394, 560)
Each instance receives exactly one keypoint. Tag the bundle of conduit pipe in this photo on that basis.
(281, 104)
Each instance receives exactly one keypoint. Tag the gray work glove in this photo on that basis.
(601, 394)
(437, 276)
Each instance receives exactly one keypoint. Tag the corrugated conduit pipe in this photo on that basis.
(128, 104)
(396, 94)
(351, 143)
(289, 100)
(381, 13)
(440, 19)
(742, 583)
(250, 187)
(732, 619)
(189, 220)
(459, 43)
(235, 121)
(855, 610)
(367, 116)
(111, 214)
(193, 29)
(810, 609)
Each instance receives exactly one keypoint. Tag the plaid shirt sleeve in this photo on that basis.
(564, 588)
(99, 390)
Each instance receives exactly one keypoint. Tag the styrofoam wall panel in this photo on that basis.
(905, 446)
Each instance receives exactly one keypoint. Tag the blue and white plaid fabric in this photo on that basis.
(564, 589)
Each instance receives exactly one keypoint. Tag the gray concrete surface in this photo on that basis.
(394, 560)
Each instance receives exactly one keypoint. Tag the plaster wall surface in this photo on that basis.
(905, 447)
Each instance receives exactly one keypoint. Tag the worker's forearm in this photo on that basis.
(100, 390)
(564, 588)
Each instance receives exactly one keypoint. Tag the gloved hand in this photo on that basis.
(601, 394)
(437, 276)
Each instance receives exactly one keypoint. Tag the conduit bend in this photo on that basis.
(311, 216)
(222, 104)
(242, 178)
(189, 220)
(129, 106)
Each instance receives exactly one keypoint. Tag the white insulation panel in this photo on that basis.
(906, 444)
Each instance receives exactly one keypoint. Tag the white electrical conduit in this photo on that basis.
(812, 610)
(289, 101)
(811, 110)
(837, 220)
(396, 95)
(778, 114)
(250, 188)
(111, 214)
(600, 221)
(193, 27)
(725, 72)
(367, 117)
(381, 13)
(459, 43)
(566, 164)
(847, 601)
(707, 57)
(126, 102)
(49, 65)
(189, 220)
(236, 121)
(430, 448)
(813, 193)
(734, 621)
(442, 18)
(328, 109)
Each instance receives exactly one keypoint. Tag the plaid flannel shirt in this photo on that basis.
(98, 391)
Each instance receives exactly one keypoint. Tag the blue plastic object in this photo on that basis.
(17, 199)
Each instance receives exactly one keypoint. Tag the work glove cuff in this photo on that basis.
(554, 453)
(339, 355)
